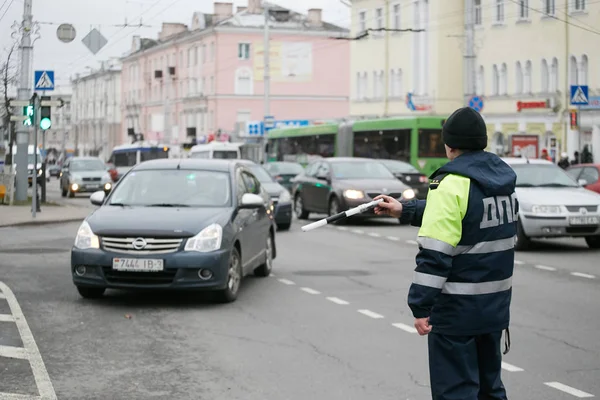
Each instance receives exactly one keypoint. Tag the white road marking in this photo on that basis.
(371, 314)
(519, 262)
(374, 234)
(287, 282)
(582, 275)
(395, 239)
(511, 368)
(412, 242)
(342, 228)
(271, 275)
(13, 352)
(405, 327)
(568, 389)
(14, 396)
(6, 318)
(337, 301)
(310, 291)
(45, 388)
(357, 231)
(544, 267)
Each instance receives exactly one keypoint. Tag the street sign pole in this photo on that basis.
(36, 121)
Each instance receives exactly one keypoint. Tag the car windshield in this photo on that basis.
(225, 154)
(542, 175)
(31, 158)
(285, 169)
(360, 170)
(260, 173)
(400, 167)
(169, 188)
(87, 165)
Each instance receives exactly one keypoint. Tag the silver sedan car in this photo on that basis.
(552, 204)
(84, 175)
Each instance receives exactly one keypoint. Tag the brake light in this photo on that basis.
(423, 179)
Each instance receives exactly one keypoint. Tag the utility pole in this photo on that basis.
(24, 93)
(267, 82)
(386, 89)
(470, 77)
(167, 108)
(565, 109)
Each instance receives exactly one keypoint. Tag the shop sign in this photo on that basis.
(593, 104)
(525, 145)
(528, 105)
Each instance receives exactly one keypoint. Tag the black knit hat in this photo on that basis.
(465, 130)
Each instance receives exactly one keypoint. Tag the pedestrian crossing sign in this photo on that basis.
(44, 80)
(579, 95)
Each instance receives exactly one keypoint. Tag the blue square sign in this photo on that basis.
(43, 80)
(580, 95)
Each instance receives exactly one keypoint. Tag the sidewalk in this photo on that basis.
(50, 214)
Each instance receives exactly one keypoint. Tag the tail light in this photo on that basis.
(423, 179)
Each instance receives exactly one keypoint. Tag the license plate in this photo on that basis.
(584, 221)
(93, 186)
(137, 264)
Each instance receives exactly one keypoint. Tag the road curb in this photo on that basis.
(44, 222)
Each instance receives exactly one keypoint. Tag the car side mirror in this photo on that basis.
(250, 200)
(582, 182)
(97, 198)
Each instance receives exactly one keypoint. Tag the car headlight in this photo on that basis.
(107, 186)
(39, 172)
(86, 239)
(546, 209)
(285, 197)
(408, 194)
(209, 239)
(353, 194)
(76, 178)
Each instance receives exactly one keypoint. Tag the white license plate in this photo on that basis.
(93, 186)
(137, 264)
(584, 221)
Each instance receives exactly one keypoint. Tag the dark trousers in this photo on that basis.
(466, 367)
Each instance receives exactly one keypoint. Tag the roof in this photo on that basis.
(188, 163)
(347, 159)
(84, 158)
(525, 160)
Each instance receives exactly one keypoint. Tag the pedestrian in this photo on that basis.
(545, 156)
(564, 160)
(462, 286)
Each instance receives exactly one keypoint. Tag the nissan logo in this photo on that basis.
(583, 210)
(139, 244)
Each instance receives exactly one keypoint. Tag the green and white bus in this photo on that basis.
(416, 140)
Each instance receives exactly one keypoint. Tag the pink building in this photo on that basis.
(193, 82)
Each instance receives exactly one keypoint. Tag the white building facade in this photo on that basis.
(97, 111)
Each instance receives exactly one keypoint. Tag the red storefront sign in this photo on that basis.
(525, 146)
(523, 105)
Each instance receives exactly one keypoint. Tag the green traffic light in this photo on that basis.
(45, 123)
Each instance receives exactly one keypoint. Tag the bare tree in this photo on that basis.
(8, 78)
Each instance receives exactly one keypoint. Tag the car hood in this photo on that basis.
(273, 188)
(155, 221)
(557, 196)
(372, 185)
(91, 174)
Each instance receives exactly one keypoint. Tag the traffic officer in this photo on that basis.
(462, 286)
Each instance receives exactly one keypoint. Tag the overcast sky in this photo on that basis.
(66, 59)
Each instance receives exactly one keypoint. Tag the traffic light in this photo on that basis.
(574, 119)
(28, 111)
(45, 114)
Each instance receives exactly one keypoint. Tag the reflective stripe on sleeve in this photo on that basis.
(429, 280)
(462, 288)
(436, 245)
(487, 247)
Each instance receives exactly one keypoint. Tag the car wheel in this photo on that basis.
(71, 194)
(523, 242)
(234, 278)
(64, 193)
(301, 213)
(593, 242)
(90, 292)
(334, 206)
(265, 269)
(284, 227)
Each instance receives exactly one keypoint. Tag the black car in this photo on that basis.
(409, 175)
(336, 184)
(181, 224)
(284, 171)
(280, 196)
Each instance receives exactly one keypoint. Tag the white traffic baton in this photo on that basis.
(339, 216)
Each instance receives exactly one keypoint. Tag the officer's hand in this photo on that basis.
(389, 206)
(422, 326)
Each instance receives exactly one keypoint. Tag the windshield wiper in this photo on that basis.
(118, 204)
(525, 185)
(555, 185)
(167, 205)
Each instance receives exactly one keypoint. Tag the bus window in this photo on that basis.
(431, 143)
(200, 154)
(225, 154)
(392, 144)
(125, 158)
(302, 147)
(153, 154)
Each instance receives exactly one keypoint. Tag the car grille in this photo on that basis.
(91, 179)
(577, 208)
(143, 278)
(393, 194)
(153, 245)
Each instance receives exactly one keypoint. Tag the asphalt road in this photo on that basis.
(332, 323)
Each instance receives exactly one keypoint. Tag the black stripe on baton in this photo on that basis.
(336, 217)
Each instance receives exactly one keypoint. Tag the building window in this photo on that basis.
(573, 73)
(362, 21)
(243, 81)
(554, 79)
(499, 11)
(396, 83)
(378, 84)
(358, 84)
(379, 18)
(480, 89)
(545, 75)
(518, 78)
(212, 84)
(195, 55)
(523, 9)
(549, 7)
(212, 51)
(396, 11)
(244, 51)
(582, 78)
(365, 85)
(527, 78)
(478, 16)
(503, 79)
(578, 5)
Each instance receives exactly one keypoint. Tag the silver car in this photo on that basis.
(84, 175)
(552, 204)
